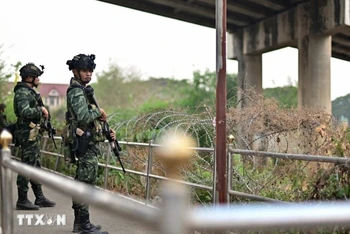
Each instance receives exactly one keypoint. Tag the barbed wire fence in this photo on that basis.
(262, 125)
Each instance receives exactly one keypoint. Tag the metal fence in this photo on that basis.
(175, 216)
(148, 174)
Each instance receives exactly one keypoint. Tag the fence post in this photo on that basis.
(231, 139)
(6, 185)
(175, 150)
(174, 209)
(44, 143)
(214, 175)
(61, 151)
(149, 170)
(107, 163)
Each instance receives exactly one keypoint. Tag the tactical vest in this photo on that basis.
(94, 128)
(32, 103)
(26, 129)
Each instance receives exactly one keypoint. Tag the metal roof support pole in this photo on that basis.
(221, 179)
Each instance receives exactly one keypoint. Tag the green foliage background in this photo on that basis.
(287, 96)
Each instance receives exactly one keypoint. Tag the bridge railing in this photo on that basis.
(174, 215)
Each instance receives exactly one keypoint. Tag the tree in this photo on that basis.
(8, 98)
(287, 95)
(4, 76)
(117, 89)
(114, 87)
(6, 92)
(203, 90)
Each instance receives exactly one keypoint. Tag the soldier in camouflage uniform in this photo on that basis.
(86, 118)
(28, 135)
(3, 120)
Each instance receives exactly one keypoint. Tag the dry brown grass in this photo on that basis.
(262, 125)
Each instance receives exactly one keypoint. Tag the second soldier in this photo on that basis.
(29, 133)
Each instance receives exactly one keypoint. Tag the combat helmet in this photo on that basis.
(82, 61)
(31, 70)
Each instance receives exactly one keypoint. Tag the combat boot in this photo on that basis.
(77, 225)
(87, 228)
(23, 203)
(41, 200)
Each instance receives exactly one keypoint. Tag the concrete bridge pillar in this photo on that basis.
(249, 77)
(308, 26)
(314, 84)
(249, 69)
(315, 25)
(254, 72)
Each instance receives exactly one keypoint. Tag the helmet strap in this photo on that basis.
(79, 77)
(77, 74)
(31, 82)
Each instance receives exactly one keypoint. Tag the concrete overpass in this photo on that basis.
(320, 29)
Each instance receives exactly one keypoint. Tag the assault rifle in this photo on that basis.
(51, 131)
(105, 128)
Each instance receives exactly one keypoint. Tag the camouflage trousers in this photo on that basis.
(87, 166)
(30, 154)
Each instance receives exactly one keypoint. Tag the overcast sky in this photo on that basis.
(51, 32)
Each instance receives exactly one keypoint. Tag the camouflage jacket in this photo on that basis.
(79, 106)
(3, 121)
(26, 105)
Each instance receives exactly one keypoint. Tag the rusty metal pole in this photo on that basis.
(221, 179)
